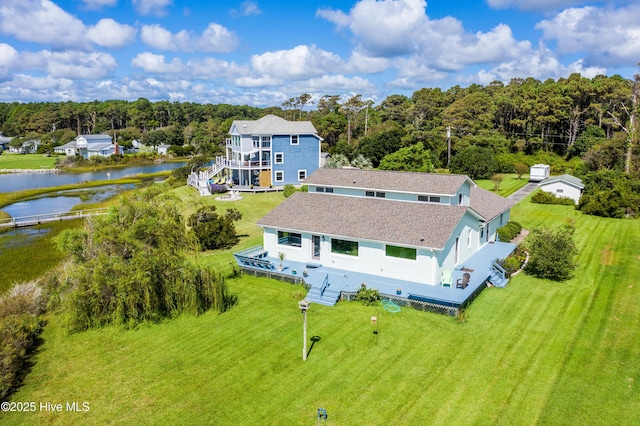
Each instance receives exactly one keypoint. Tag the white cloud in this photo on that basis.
(249, 8)
(400, 29)
(42, 21)
(98, 4)
(301, 62)
(8, 59)
(215, 38)
(156, 64)
(151, 7)
(108, 33)
(611, 36)
(79, 65)
(540, 5)
(541, 63)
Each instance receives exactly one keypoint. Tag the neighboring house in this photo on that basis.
(163, 149)
(396, 225)
(69, 149)
(88, 146)
(4, 142)
(265, 152)
(27, 147)
(566, 186)
(272, 151)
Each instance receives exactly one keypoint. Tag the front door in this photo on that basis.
(315, 247)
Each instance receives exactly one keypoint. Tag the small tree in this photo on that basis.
(520, 169)
(551, 253)
(215, 231)
(497, 180)
(288, 190)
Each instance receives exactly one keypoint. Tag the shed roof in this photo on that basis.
(571, 180)
(364, 218)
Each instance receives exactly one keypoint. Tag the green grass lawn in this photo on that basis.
(537, 352)
(26, 161)
(508, 186)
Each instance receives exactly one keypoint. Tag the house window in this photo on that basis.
(319, 188)
(369, 193)
(559, 191)
(294, 140)
(459, 199)
(501, 218)
(344, 247)
(289, 239)
(329, 190)
(401, 252)
(302, 174)
(469, 239)
(256, 142)
(380, 194)
(265, 141)
(279, 176)
(428, 198)
(278, 157)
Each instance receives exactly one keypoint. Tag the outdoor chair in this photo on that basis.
(447, 280)
(464, 281)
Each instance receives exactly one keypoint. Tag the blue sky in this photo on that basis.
(262, 53)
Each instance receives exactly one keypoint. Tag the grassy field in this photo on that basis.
(537, 352)
(509, 185)
(26, 161)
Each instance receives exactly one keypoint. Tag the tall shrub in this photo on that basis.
(130, 266)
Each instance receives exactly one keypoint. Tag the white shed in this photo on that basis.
(563, 186)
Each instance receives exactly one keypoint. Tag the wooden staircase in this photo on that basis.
(200, 179)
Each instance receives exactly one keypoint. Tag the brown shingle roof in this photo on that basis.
(419, 183)
(487, 204)
(365, 218)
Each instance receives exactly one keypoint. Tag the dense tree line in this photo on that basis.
(572, 116)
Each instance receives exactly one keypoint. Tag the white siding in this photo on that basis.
(562, 189)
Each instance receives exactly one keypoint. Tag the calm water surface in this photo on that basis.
(18, 181)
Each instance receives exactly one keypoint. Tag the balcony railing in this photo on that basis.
(248, 164)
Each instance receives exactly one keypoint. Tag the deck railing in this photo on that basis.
(324, 285)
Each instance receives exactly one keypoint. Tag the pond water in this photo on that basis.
(20, 237)
(10, 182)
(63, 201)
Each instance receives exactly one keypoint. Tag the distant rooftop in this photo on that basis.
(273, 125)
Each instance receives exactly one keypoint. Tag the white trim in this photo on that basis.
(305, 174)
(275, 158)
(297, 140)
(275, 176)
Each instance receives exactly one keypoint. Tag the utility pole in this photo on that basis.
(448, 145)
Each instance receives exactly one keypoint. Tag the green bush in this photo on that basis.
(368, 296)
(551, 253)
(509, 231)
(19, 329)
(542, 197)
(288, 190)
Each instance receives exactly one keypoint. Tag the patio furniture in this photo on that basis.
(447, 280)
(464, 281)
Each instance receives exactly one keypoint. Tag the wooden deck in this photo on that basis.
(18, 222)
(330, 284)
